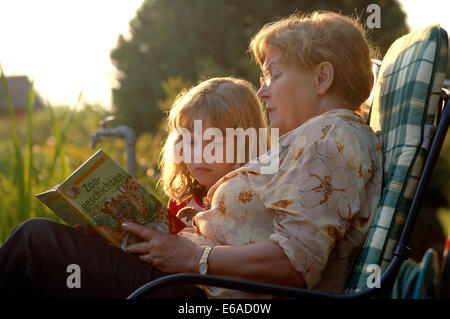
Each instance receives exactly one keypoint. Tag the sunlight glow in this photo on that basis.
(64, 45)
(422, 14)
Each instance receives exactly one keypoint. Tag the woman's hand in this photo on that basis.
(170, 253)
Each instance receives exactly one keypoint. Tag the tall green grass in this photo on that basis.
(60, 140)
(16, 192)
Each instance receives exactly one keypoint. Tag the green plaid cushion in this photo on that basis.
(403, 110)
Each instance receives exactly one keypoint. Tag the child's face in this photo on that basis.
(209, 173)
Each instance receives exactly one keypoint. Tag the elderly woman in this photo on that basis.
(302, 225)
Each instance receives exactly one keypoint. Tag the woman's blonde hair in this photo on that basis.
(309, 39)
(223, 102)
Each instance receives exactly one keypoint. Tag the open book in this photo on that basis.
(101, 194)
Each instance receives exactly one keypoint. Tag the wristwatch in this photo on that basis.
(203, 264)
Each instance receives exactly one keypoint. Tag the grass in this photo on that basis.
(20, 181)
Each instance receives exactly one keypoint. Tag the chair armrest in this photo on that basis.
(243, 285)
(387, 279)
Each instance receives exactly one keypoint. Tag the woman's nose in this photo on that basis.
(263, 92)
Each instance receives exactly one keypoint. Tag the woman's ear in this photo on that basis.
(324, 76)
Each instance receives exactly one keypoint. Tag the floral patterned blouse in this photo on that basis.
(317, 206)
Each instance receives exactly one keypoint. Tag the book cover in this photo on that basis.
(102, 195)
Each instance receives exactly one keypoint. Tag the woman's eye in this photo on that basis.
(274, 75)
(265, 79)
(268, 77)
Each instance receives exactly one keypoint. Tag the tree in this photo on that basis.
(196, 39)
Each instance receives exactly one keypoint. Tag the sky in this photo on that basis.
(64, 45)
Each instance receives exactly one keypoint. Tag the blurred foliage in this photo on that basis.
(197, 39)
(171, 88)
(438, 192)
(443, 215)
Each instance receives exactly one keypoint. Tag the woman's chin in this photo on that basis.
(274, 123)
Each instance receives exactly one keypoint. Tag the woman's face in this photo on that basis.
(288, 91)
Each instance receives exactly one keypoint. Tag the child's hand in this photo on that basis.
(186, 214)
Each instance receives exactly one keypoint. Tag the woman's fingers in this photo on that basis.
(164, 251)
(139, 248)
(140, 230)
(145, 258)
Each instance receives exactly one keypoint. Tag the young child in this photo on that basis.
(219, 103)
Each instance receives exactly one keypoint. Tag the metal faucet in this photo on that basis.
(121, 131)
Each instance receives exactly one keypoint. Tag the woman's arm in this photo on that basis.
(263, 261)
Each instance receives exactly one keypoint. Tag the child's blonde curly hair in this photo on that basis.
(222, 102)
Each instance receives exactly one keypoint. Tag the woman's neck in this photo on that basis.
(333, 102)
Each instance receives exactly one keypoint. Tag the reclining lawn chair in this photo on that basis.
(410, 113)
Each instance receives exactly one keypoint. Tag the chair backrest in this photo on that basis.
(404, 106)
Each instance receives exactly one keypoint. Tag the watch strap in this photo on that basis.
(203, 264)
